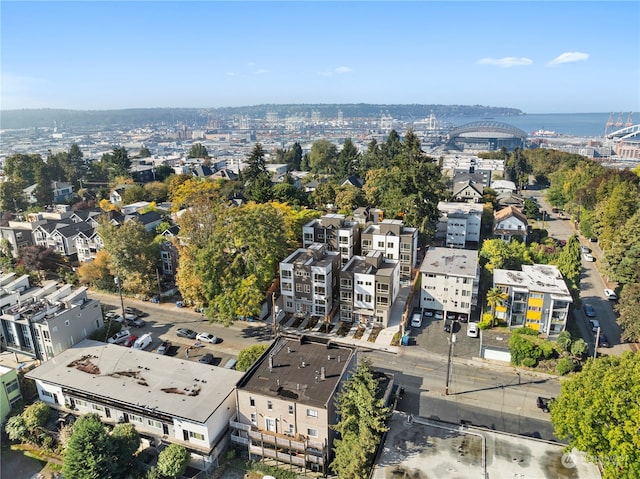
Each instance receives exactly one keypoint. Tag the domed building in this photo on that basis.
(486, 135)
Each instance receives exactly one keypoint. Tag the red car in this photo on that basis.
(129, 341)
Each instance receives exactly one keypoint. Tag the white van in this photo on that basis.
(143, 342)
(416, 320)
(231, 364)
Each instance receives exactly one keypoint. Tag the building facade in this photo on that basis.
(537, 297)
(168, 400)
(44, 321)
(368, 287)
(10, 395)
(459, 224)
(336, 232)
(450, 282)
(309, 280)
(395, 241)
(287, 401)
(508, 223)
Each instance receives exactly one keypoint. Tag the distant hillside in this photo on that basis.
(39, 118)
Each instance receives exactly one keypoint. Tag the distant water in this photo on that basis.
(571, 124)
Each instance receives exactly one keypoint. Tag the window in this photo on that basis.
(292, 429)
(312, 413)
(269, 405)
(359, 297)
(312, 432)
(134, 418)
(156, 424)
(367, 298)
(252, 402)
(320, 277)
(285, 273)
(286, 286)
(290, 408)
(47, 394)
(97, 407)
(382, 300)
(196, 435)
(253, 418)
(12, 386)
(382, 287)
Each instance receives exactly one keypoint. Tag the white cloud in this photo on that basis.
(506, 62)
(261, 71)
(568, 57)
(337, 71)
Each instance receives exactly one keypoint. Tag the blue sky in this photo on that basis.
(540, 57)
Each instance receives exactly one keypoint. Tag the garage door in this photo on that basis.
(497, 355)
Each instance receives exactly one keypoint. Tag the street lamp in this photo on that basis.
(116, 280)
(452, 341)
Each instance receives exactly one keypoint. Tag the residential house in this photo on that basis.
(42, 322)
(336, 232)
(366, 214)
(10, 395)
(395, 241)
(308, 280)
(143, 174)
(19, 234)
(287, 401)
(149, 220)
(504, 186)
(537, 297)
(508, 223)
(169, 251)
(168, 400)
(459, 224)
(467, 191)
(202, 171)
(87, 245)
(450, 280)
(225, 174)
(353, 181)
(136, 207)
(368, 287)
(61, 191)
(60, 236)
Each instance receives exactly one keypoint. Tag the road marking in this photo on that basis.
(425, 368)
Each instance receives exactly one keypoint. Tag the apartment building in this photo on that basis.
(450, 281)
(168, 400)
(459, 224)
(287, 401)
(44, 321)
(368, 287)
(395, 241)
(10, 395)
(537, 297)
(309, 280)
(338, 233)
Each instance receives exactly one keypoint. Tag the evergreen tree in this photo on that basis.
(90, 452)
(256, 164)
(173, 460)
(348, 160)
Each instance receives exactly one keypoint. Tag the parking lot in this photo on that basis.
(185, 348)
(432, 337)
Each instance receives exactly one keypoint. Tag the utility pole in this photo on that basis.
(595, 346)
(117, 281)
(274, 315)
(452, 341)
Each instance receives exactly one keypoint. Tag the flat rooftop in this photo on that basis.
(422, 449)
(177, 387)
(304, 369)
(456, 262)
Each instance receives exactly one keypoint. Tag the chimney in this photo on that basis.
(322, 374)
(270, 362)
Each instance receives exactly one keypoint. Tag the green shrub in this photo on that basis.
(529, 362)
(526, 331)
(486, 322)
(564, 340)
(564, 366)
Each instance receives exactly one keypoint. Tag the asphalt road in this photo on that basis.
(592, 282)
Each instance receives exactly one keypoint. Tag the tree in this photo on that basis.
(569, 263)
(495, 297)
(90, 452)
(120, 159)
(564, 340)
(16, 428)
(579, 348)
(36, 415)
(144, 152)
(250, 355)
(173, 460)
(629, 309)
(40, 258)
(256, 164)
(348, 160)
(198, 150)
(322, 157)
(598, 413)
(126, 442)
(362, 422)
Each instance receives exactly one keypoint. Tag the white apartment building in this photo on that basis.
(459, 223)
(338, 233)
(394, 241)
(537, 297)
(450, 281)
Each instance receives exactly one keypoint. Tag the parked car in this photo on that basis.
(472, 330)
(130, 340)
(584, 249)
(164, 347)
(588, 257)
(438, 315)
(595, 324)
(428, 313)
(143, 342)
(543, 403)
(120, 337)
(447, 325)
(206, 359)
(136, 323)
(138, 312)
(603, 342)
(610, 294)
(207, 338)
(416, 320)
(186, 333)
(588, 310)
